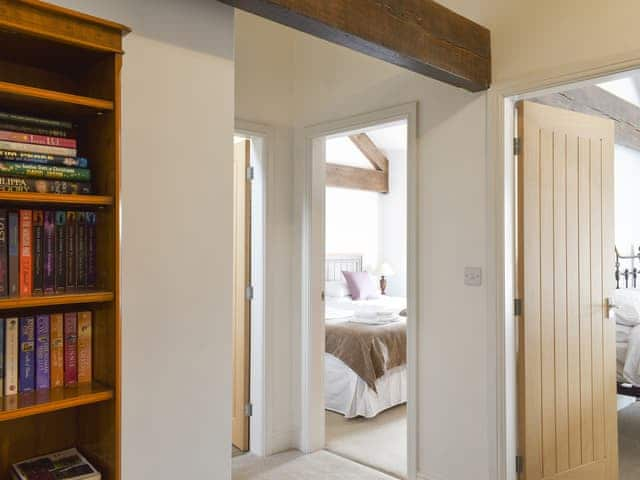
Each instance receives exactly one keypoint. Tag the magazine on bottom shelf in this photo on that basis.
(68, 465)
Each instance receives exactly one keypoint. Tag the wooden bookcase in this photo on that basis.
(56, 63)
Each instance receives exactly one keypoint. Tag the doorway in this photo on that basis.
(334, 430)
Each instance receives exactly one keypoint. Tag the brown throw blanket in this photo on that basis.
(369, 350)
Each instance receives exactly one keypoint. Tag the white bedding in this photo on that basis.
(628, 354)
(345, 392)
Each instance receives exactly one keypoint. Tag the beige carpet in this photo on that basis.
(379, 442)
(629, 442)
(296, 466)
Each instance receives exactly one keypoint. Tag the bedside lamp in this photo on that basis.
(384, 271)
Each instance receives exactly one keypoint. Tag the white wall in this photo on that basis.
(627, 199)
(178, 79)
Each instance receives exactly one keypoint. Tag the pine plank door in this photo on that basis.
(241, 304)
(566, 360)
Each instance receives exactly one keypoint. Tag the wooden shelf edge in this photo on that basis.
(53, 96)
(58, 299)
(56, 198)
(46, 401)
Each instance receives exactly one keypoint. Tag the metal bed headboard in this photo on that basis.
(336, 264)
(628, 274)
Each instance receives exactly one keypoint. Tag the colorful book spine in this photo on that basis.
(43, 374)
(26, 259)
(71, 235)
(38, 185)
(43, 159)
(70, 349)
(51, 172)
(57, 350)
(4, 253)
(11, 347)
(38, 253)
(29, 147)
(18, 118)
(61, 249)
(84, 347)
(49, 277)
(1, 357)
(24, 128)
(91, 221)
(24, 137)
(14, 254)
(27, 360)
(81, 250)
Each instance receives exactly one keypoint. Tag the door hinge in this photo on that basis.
(517, 307)
(248, 410)
(519, 464)
(516, 146)
(250, 174)
(248, 292)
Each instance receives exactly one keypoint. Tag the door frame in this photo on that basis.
(312, 425)
(501, 180)
(261, 137)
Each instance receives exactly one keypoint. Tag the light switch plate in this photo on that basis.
(473, 276)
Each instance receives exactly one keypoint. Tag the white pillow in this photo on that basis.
(336, 289)
(627, 302)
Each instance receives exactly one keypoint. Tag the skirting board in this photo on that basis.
(432, 476)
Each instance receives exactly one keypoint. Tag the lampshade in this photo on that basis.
(385, 270)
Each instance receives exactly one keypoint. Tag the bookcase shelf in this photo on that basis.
(54, 300)
(56, 199)
(46, 401)
(41, 99)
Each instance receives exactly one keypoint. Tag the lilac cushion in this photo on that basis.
(360, 285)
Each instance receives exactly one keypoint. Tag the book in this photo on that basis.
(84, 347)
(37, 130)
(38, 185)
(70, 349)
(24, 137)
(4, 253)
(42, 352)
(26, 361)
(29, 147)
(57, 350)
(11, 356)
(43, 159)
(91, 221)
(68, 464)
(38, 253)
(26, 261)
(71, 236)
(81, 250)
(51, 172)
(48, 264)
(1, 357)
(60, 256)
(14, 254)
(18, 118)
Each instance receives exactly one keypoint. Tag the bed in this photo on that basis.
(376, 351)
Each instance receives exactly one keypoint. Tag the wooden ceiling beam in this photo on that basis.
(593, 100)
(370, 151)
(420, 35)
(357, 178)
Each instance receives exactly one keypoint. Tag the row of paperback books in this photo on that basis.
(43, 252)
(40, 155)
(68, 464)
(45, 351)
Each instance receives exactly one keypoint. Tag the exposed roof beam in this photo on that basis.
(420, 35)
(357, 178)
(594, 100)
(370, 151)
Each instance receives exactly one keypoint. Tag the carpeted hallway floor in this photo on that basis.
(379, 442)
(292, 465)
(629, 442)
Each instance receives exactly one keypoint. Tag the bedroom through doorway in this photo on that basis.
(365, 296)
